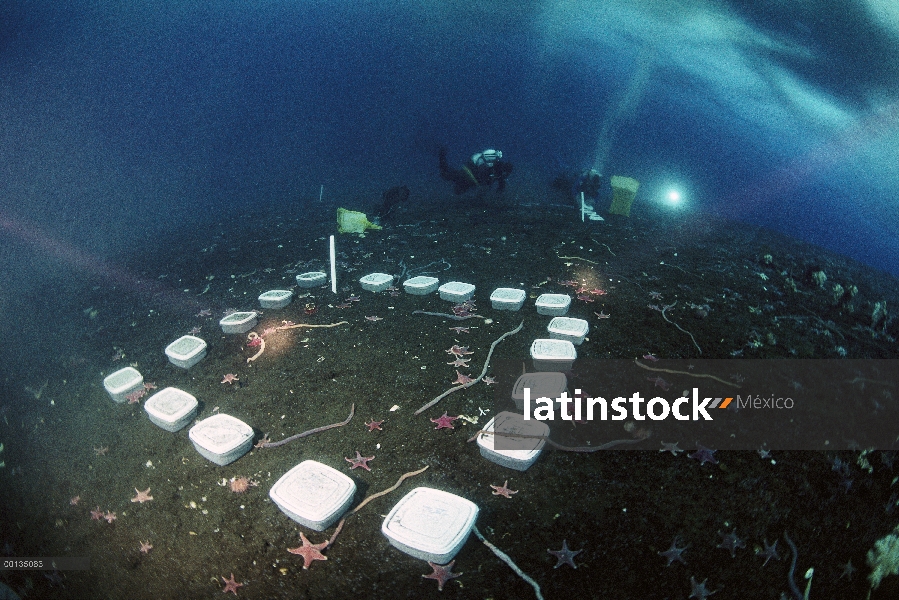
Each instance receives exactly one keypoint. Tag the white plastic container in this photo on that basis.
(456, 291)
(275, 298)
(553, 355)
(221, 438)
(421, 285)
(542, 385)
(313, 494)
(121, 383)
(514, 453)
(171, 408)
(553, 305)
(376, 282)
(430, 524)
(311, 279)
(507, 299)
(568, 328)
(239, 322)
(186, 351)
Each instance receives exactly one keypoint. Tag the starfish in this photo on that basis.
(598, 292)
(109, 516)
(101, 451)
(149, 385)
(460, 362)
(502, 490)
(359, 461)
(601, 314)
(463, 379)
(204, 312)
(698, 590)
(231, 585)
(670, 447)
(704, 455)
(442, 573)
(75, 500)
(769, 552)
(309, 551)
(142, 496)
(659, 382)
(459, 351)
(96, 514)
(444, 422)
(674, 553)
(230, 378)
(459, 329)
(135, 396)
(730, 542)
(145, 547)
(374, 425)
(489, 380)
(565, 556)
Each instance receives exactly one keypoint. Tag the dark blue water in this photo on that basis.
(116, 115)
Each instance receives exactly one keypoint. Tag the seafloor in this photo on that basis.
(63, 437)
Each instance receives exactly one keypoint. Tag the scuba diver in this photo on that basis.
(481, 170)
(588, 181)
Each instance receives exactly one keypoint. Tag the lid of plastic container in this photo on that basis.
(312, 276)
(312, 490)
(568, 326)
(456, 287)
(543, 349)
(275, 295)
(122, 380)
(507, 295)
(238, 318)
(523, 448)
(553, 300)
(430, 520)
(376, 279)
(170, 404)
(220, 433)
(542, 385)
(420, 281)
(185, 347)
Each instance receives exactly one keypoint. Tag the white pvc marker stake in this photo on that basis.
(333, 267)
(321, 192)
(583, 207)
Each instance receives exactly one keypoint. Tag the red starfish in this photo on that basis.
(598, 292)
(444, 422)
(231, 585)
(230, 378)
(374, 425)
(503, 490)
(442, 573)
(360, 461)
(463, 379)
(459, 350)
(309, 551)
(256, 341)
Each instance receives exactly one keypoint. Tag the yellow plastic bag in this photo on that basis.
(351, 221)
(623, 191)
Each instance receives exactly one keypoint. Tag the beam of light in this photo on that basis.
(76, 259)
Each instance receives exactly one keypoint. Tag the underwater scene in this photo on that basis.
(551, 299)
